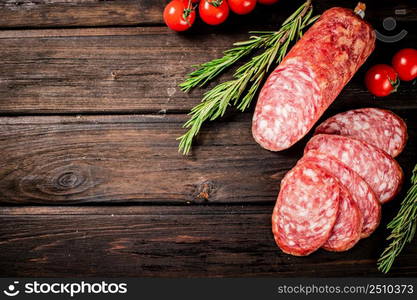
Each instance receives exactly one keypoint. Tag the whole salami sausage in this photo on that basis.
(310, 77)
(375, 166)
(360, 190)
(379, 127)
(306, 209)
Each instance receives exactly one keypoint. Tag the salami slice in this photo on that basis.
(361, 192)
(310, 77)
(348, 227)
(374, 165)
(379, 127)
(306, 210)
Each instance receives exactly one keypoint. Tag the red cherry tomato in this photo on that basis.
(241, 7)
(178, 16)
(405, 63)
(213, 12)
(268, 2)
(381, 80)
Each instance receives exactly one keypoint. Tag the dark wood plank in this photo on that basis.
(186, 241)
(132, 70)
(81, 13)
(134, 159)
(55, 13)
(122, 70)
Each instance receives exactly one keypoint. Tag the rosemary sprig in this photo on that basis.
(247, 78)
(403, 227)
(209, 70)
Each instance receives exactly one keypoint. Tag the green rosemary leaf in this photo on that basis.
(209, 70)
(403, 227)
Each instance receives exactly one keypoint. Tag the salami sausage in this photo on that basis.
(361, 192)
(374, 165)
(379, 127)
(310, 77)
(347, 230)
(306, 209)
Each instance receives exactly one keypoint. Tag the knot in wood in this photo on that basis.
(70, 180)
(203, 192)
(60, 181)
(65, 180)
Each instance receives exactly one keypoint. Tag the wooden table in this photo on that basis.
(91, 182)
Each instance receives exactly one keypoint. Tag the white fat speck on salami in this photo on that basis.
(347, 230)
(374, 165)
(306, 209)
(361, 192)
(379, 127)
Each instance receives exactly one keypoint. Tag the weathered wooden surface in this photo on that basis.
(203, 241)
(93, 13)
(130, 70)
(58, 13)
(132, 158)
(89, 114)
(79, 159)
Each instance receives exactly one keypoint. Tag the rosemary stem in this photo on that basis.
(403, 227)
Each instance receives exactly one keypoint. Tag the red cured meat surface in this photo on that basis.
(379, 127)
(306, 210)
(347, 230)
(374, 165)
(361, 192)
(310, 77)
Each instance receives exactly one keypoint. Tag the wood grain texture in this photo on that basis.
(122, 70)
(131, 70)
(186, 241)
(134, 159)
(56, 13)
(93, 13)
(143, 209)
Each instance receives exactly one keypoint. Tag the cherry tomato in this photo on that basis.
(178, 16)
(213, 12)
(241, 7)
(405, 63)
(381, 80)
(268, 2)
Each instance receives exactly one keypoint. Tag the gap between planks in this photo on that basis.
(30, 210)
(80, 32)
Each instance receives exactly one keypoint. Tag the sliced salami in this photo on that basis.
(289, 103)
(379, 127)
(306, 209)
(310, 77)
(360, 190)
(374, 165)
(347, 230)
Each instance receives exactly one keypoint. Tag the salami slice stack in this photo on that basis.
(332, 198)
(360, 190)
(374, 165)
(306, 210)
(378, 127)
